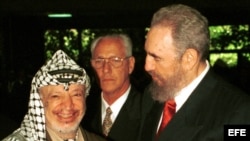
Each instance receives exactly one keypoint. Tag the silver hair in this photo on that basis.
(124, 37)
(189, 28)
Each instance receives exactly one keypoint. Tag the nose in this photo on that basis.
(106, 66)
(68, 102)
(149, 64)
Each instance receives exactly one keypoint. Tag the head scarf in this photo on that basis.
(60, 70)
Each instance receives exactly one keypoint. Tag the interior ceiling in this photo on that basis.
(122, 12)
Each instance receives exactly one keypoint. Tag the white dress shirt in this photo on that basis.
(115, 107)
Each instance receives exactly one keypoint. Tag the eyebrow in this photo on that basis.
(153, 55)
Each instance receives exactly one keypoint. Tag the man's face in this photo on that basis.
(113, 79)
(163, 64)
(63, 109)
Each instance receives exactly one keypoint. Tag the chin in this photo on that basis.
(65, 127)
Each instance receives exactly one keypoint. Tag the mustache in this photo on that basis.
(153, 74)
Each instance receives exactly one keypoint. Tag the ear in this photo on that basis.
(190, 58)
(131, 64)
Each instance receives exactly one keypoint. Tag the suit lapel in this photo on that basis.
(151, 122)
(189, 120)
(129, 116)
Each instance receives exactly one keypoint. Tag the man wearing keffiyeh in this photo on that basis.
(56, 104)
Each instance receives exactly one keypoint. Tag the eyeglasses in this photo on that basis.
(113, 61)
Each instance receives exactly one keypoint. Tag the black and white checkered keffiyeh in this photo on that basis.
(59, 70)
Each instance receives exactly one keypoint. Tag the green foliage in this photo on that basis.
(66, 40)
(228, 42)
(229, 37)
(229, 59)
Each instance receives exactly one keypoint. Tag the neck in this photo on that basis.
(111, 97)
(63, 135)
(68, 136)
(195, 72)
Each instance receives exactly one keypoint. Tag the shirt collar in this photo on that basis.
(183, 95)
(116, 106)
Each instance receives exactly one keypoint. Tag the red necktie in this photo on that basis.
(168, 112)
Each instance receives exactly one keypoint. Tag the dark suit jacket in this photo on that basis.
(127, 124)
(213, 104)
